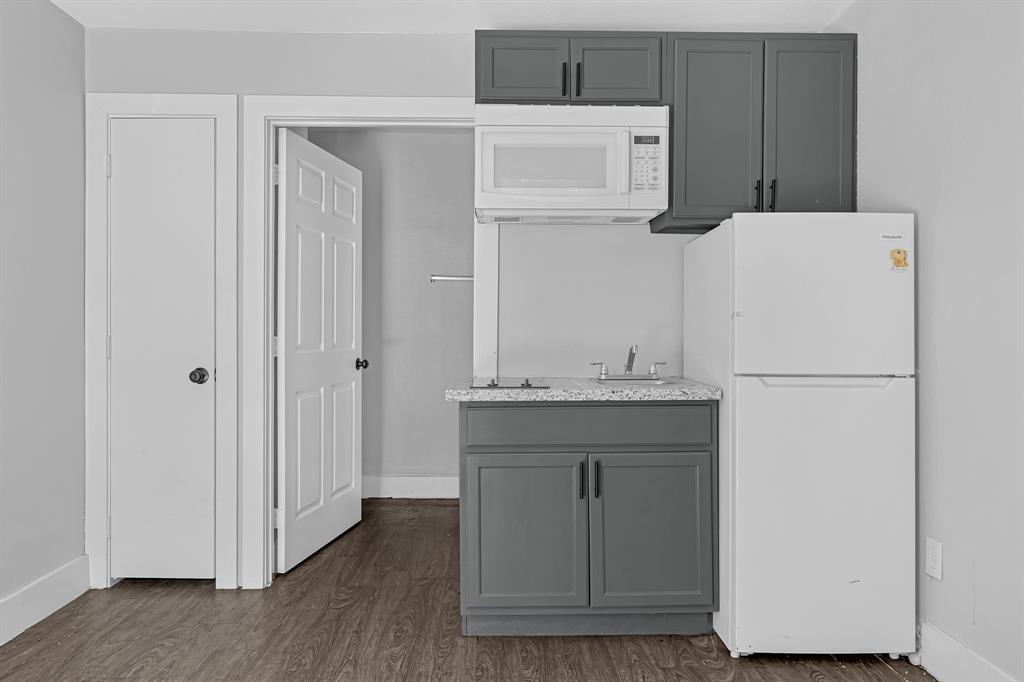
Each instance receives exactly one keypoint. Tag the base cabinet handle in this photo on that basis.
(597, 478)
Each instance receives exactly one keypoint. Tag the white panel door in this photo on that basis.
(824, 508)
(161, 289)
(824, 293)
(319, 318)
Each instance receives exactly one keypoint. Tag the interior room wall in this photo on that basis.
(571, 295)
(254, 63)
(417, 221)
(42, 326)
(939, 133)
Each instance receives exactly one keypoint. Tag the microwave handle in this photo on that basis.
(625, 162)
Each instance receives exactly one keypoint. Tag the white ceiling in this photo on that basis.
(454, 16)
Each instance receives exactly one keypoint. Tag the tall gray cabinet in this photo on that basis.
(716, 128)
(809, 124)
(584, 518)
(759, 123)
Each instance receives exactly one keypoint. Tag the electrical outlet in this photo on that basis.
(933, 558)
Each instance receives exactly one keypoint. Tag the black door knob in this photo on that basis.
(362, 364)
(199, 375)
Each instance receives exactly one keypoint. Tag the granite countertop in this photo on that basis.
(579, 389)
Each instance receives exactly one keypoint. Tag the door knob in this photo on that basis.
(199, 375)
(362, 364)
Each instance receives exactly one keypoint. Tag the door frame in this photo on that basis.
(100, 108)
(261, 116)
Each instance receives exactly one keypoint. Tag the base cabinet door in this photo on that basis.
(527, 530)
(808, 125)
(650, 529)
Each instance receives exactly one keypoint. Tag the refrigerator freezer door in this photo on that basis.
(824, 294)
(824, 527)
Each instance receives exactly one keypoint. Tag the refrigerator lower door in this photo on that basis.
(824, 515)
(824, 293)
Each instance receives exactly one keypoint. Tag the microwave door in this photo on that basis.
(557, 167)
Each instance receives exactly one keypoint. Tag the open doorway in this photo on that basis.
(381, 427)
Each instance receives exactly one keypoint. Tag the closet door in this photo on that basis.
(161, 347)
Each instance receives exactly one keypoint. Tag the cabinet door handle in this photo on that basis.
(583, 479)
(565, 79)
(757, 196)
(597, 478)
(771, 196)
(579, 78)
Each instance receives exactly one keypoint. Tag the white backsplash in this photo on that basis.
(570, 295)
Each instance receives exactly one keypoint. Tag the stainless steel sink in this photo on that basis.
(621, 380)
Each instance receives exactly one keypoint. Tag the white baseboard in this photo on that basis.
(22, 609)
(950, 661)
(411, 486)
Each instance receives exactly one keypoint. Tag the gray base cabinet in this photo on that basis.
(588, 518)
(650, 529)
(526, 530)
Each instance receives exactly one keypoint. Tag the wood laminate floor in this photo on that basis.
(379, 603)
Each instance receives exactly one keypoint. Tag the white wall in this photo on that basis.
(417, 221)
(571, 295)
(939, 133)
(125, 60)
(42, 372)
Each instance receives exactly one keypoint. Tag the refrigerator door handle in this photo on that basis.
(828, 382)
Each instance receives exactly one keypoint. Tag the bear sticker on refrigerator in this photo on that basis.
(899, 258)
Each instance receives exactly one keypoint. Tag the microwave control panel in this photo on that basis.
(648, 162)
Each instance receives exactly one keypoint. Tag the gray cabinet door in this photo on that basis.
(522, 67)
(650, 529)
(527, 530)
(610, 69)
(716, 127)
(809, 124)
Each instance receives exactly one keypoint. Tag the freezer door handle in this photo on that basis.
(828, 382)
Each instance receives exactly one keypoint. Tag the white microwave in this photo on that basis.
(560, 164)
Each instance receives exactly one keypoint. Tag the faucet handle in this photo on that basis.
(604, 370)
(653, 371)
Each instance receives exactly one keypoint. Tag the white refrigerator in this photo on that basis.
(806, 321)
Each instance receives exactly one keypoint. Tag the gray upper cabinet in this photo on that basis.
(522, 68)
(613, 69)
(716, 127)
(809, 124)
(650, 532)
(526, 540)
(759, 123)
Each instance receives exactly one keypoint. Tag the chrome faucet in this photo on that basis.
(630, 359)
